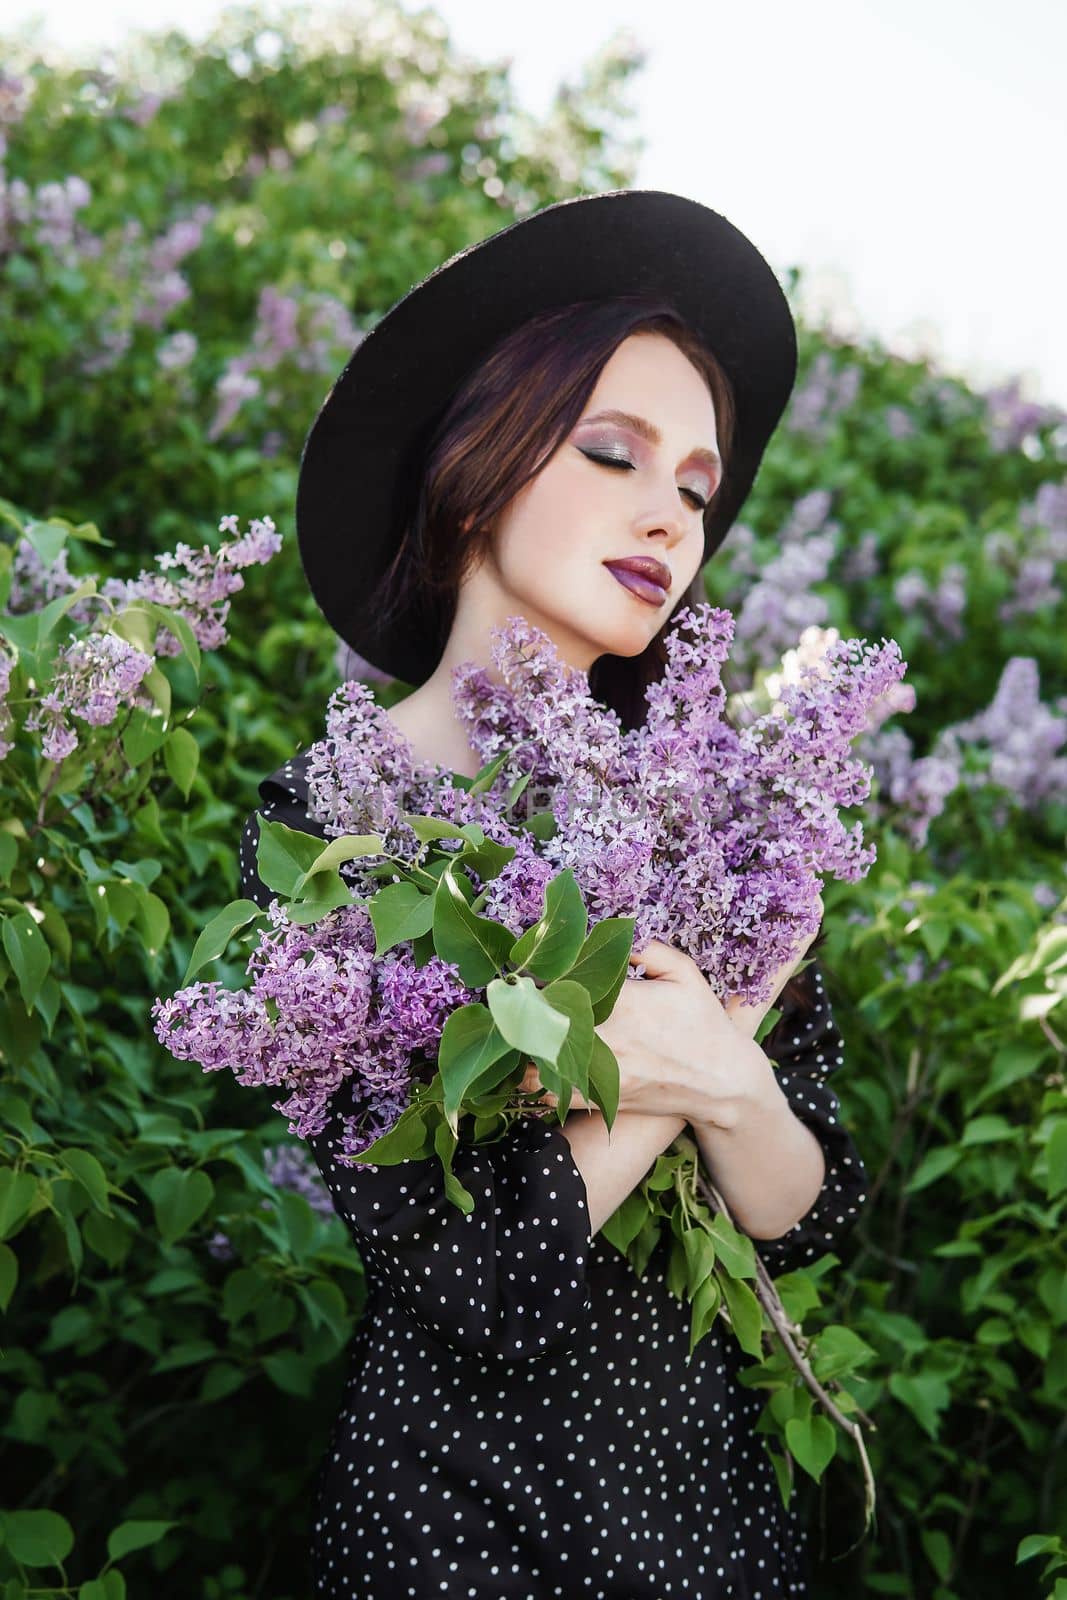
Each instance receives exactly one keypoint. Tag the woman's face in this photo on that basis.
(547, 560)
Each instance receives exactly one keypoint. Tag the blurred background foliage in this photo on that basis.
(192, 240)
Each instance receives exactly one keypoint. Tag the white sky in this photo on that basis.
(909, 154)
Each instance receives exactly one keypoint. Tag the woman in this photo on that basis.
(562, 422)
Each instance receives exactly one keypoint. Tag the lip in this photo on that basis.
(644, 576)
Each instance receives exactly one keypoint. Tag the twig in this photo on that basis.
(769, 1299)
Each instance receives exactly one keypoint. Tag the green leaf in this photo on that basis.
(550, 946)
(157, 684)
(526, 1019)
(9, 1275)
(27, 950)
(604, 1079)
(476, 945)
(290, 1372)
(180, 1196)
(144, 735)
(925, 1394)
(214, 938)
(37, 1538)
(49, 615)
(399, 911)
(572, 1063)
(1037, 1544)
(1056, 1155)
(135, 1535)
(181, 757)
(735, 1250)
(836, 1350)
(18, 1191)
(90, 1174)
(404, 1141)
(347, 848)
(470, 1043)
(626, 1221)
(987, 1130)
(745, 1313)
(601, 964)
(811, 1442)
(934, 1164)
(707, 1300)
(284, 854)
(444, 1141)
(699, 1257)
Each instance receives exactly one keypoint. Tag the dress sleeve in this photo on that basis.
(508, 1281)
(806, 1048)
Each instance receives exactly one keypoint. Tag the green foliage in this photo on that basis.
(160, 1292)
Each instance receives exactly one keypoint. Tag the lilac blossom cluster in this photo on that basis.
(781, 601)
(707, 835)
(8, 663)
(290, 1166)
(825, 392)
(306, 331)
(92, 677)
(321, 1009)
(1011, 420)
(209, 578)
(96, 674)
(943, 604)
(47, 220)
(35, 582)
(1036, 562)
(1017, 744)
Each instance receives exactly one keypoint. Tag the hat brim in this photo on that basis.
(359, 465)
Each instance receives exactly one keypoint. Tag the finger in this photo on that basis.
(658, 959)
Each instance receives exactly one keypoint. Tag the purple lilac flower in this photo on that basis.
(1036, 561)
(177, 351)
(1021, 737)
(774, 609)
(8, 663)
(1015, 744)
(289, 1166)
(211, 576)
(34, 583)
(219, 1246)
(944, 604)
(93, 676)
(321, 1010)
(1010, 419)
(822, 396)
(348, 663)
(900, 424)
(862, 562)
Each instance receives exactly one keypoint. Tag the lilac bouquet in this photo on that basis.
(452, 929)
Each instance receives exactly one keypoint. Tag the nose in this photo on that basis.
(665, 519)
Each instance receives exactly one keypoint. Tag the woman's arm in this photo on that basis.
(769, 1167)
(613, 1163)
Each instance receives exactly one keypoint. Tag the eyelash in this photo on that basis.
(621, 461)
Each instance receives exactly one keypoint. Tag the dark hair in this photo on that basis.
(505, 420)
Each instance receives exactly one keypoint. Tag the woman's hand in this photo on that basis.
(680, 1051)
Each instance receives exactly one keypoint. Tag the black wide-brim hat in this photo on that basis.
(362, 455)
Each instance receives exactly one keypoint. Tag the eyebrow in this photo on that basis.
(648, 430)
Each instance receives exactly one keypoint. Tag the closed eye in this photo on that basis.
(696, 501)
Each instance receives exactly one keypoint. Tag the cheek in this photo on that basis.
(537, 536)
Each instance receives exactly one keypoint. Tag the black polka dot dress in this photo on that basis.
(518, 1417)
